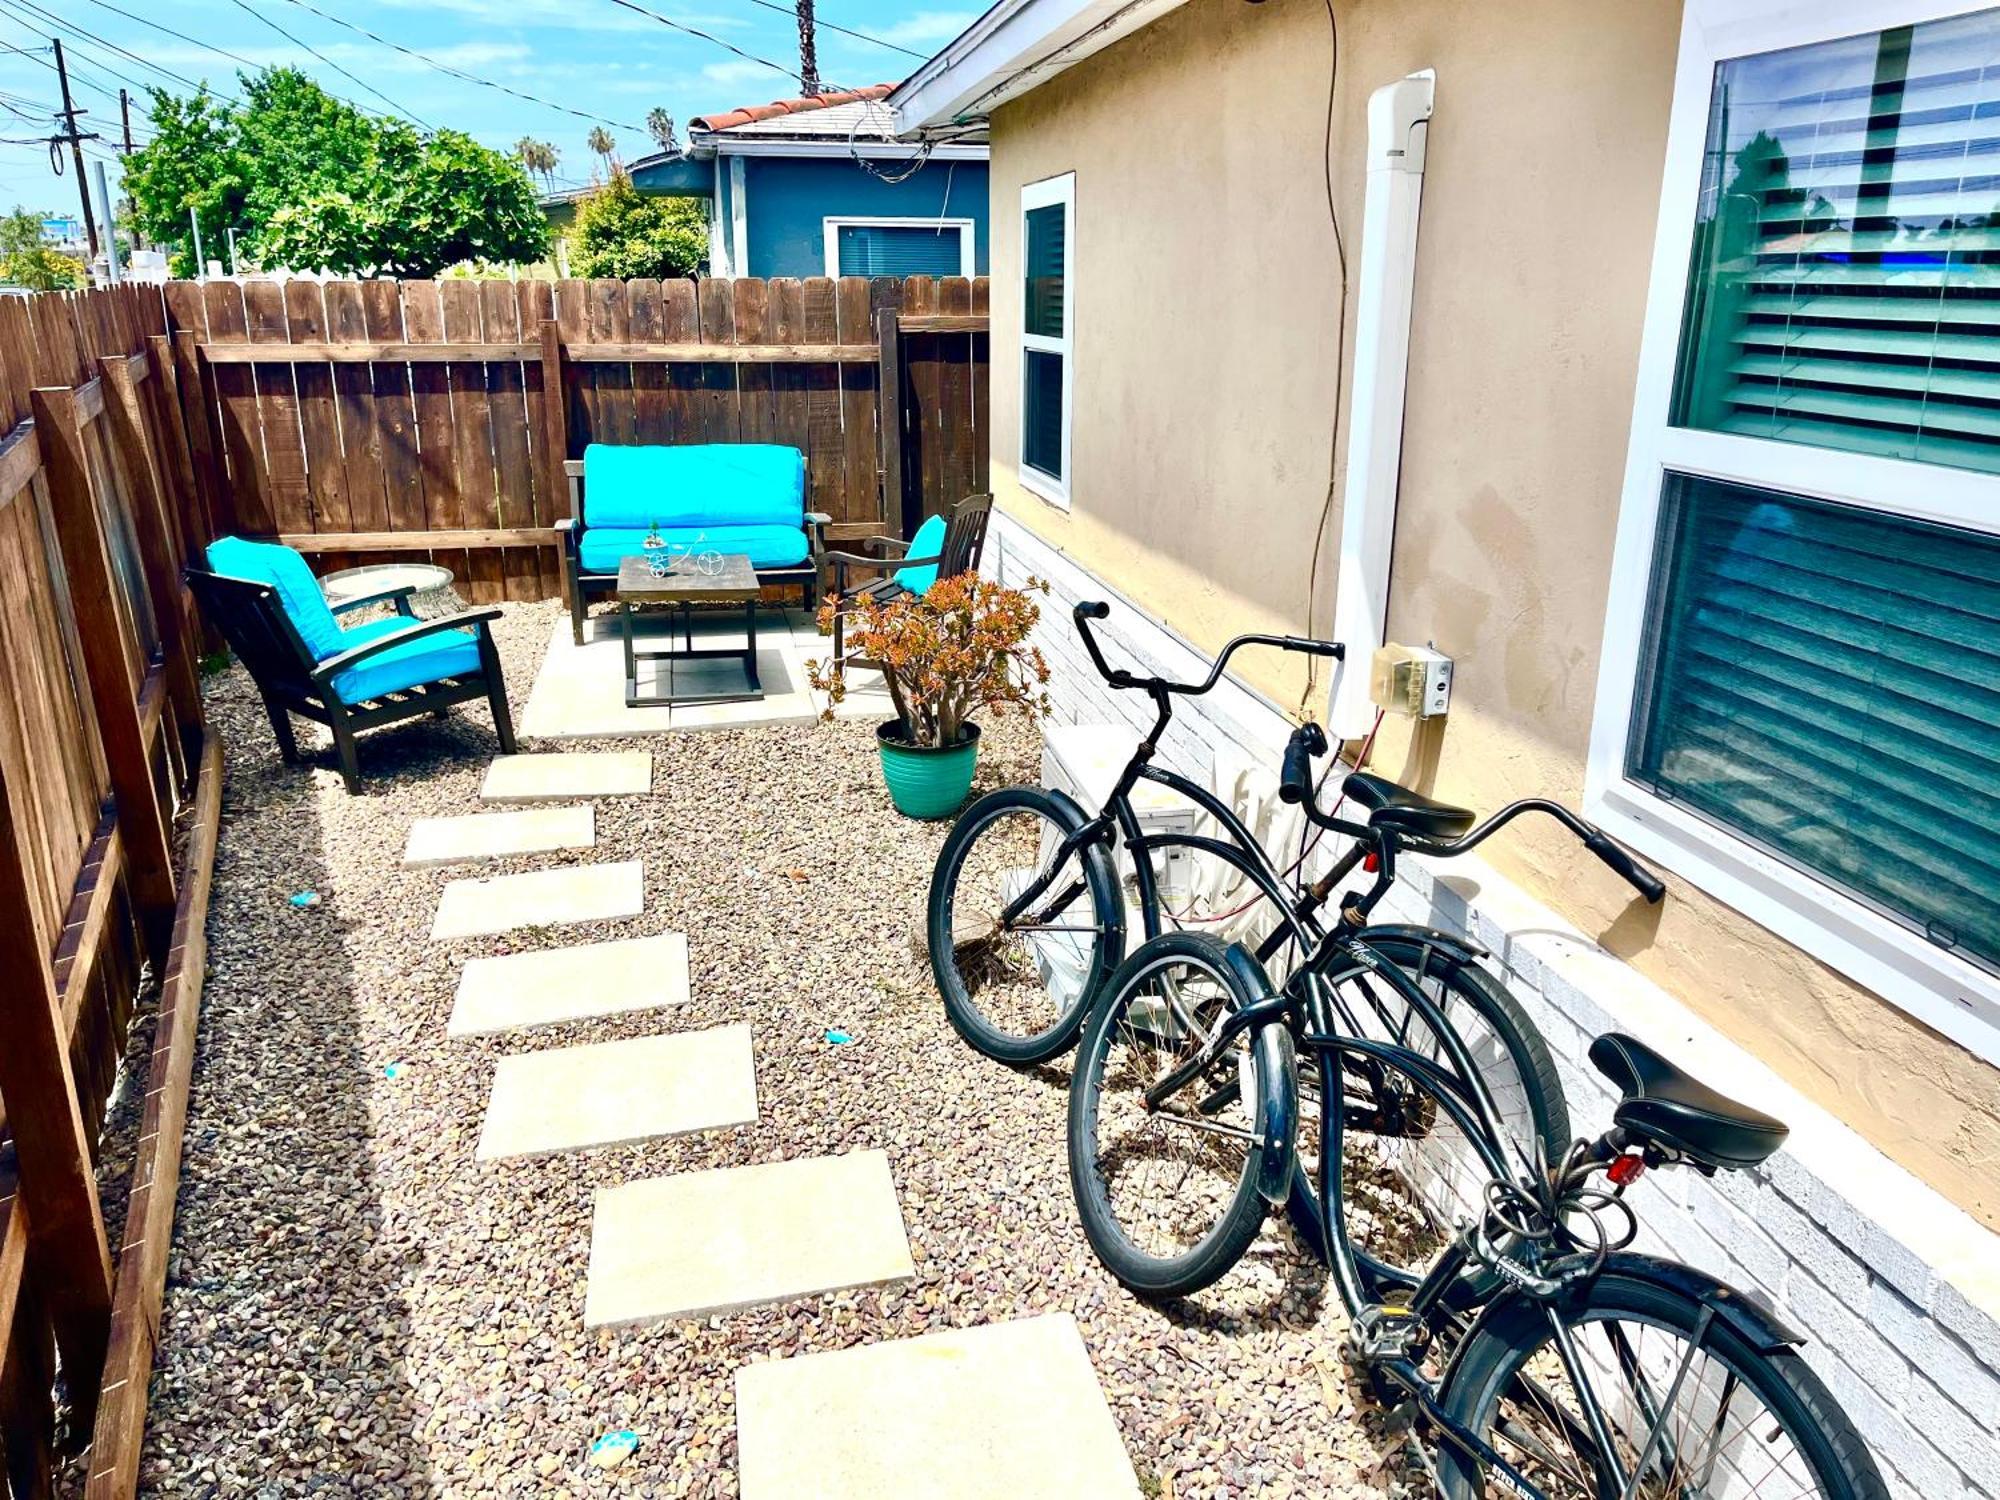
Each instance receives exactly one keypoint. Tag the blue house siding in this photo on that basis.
(790, 198)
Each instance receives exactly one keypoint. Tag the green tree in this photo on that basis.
(26, 261)
(309, 182)
(538, 156)
(621, 232)
(604, 144)
(660, 126)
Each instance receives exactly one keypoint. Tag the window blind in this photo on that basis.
(1825, 681)
(1845, 290)
(899, 250)
(1046, 265)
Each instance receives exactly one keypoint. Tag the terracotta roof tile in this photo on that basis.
(752, 113)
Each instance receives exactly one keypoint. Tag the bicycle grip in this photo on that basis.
(1295, 780)
(1091, 609)
(1312, 647)
(1641, 879)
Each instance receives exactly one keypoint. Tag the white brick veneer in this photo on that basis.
(1896, 1290)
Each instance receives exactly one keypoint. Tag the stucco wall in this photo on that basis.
(1205, 288)
(789, 200)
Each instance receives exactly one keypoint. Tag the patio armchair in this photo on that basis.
(266, 603)
(944, 547)
(743, 498)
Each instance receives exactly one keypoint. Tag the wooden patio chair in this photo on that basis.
(944, 547)
(358, 677)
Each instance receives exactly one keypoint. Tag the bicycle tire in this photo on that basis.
(1099, 955)
(1522, 1041)
(1158, 1276)
(1509, 1337)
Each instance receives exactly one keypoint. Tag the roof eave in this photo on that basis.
(1015, 46)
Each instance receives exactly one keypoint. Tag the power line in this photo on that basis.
(447, 68)
(862, 36)
(47, 17)
(696, 31)
(248, 9)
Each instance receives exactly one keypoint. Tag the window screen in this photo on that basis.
(1825, 681)
(900, 249)
(1845, 287)
(1046, 266)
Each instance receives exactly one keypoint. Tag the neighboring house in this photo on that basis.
(1696, 475)
(819, 186)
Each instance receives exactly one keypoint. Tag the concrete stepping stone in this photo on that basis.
(541, 898)
(988, 1413)
(702, 1243)
(614, 1093)
(541, 778)
(536, 830)
(518, 991)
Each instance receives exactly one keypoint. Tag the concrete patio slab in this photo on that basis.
(519, 991)
(541, 898)
(712, 1242)
(990, 1413)
(579, 693)
(495, 835)
(561, 774)
(614, 1093)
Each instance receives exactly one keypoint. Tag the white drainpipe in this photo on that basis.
(1398, 121)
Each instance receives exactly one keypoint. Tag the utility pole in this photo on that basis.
(75, 138)
(131, 212)
(808, 51)
(125, 113)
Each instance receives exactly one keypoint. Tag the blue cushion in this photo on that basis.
(449, 653)
(298, 590)
(766, 546)
(928, 542)
(693, 484)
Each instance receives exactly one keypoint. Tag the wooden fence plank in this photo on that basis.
(756, 406)
(645, 312)
(572, 311)
(472, 442)
(610, 324)
(513, 460)
(536, 300)
(278, 410)
(236, 398)
(953, 427)
(860, 447)
(687, 404)
(430, 390)
(354, 407)
(717, 306)
(788, 322)
(327, 486)
(826, 460)
(395, 413)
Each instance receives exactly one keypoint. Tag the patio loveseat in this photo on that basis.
(747, 498)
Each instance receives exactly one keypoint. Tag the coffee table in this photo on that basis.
(734, 583)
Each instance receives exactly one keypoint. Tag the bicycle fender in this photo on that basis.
(1463, 950)
(1114, 932)
(1277, 1073)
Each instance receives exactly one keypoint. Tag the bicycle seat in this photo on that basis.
(1397, 807)
(1668, 1107)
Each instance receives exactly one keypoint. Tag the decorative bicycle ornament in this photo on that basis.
(668, 557)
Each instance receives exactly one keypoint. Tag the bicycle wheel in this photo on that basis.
(1409, 1174)
(1018, 991)
(1169, 1196)
(1737, 1420)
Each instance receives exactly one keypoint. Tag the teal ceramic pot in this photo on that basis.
(925, 782)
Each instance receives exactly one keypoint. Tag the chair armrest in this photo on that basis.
(569, 534)
(333, 666)
(818, 518)
(573, 467)
(399, 596)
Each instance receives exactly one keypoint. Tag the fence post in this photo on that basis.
(189, 511)
(555, 410)
(66, 1239)
(197, 391)
(158, 550)
(148, 853)
(889, 416)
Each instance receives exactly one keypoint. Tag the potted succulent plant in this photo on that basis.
(959, 649)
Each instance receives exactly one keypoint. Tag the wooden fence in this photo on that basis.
(106, 770)
(355, 419)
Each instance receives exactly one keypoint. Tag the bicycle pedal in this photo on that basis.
(1382, 1331)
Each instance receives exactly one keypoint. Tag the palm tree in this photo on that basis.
(605, 145)
(660, 125)
(537, 156)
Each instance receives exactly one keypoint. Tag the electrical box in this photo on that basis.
(1412, 680)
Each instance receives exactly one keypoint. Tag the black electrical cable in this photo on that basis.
(862, 36)
(1339, 355)
(248, 9)
(696, 31)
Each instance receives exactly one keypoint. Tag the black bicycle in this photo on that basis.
(1511, 1328)
(1026, 925)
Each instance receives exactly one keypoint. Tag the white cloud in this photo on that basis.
(926, 26)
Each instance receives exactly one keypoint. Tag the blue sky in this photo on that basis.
(591, 55)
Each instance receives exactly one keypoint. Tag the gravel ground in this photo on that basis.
(358, 1307)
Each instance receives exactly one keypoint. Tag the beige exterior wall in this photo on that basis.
(1205, 292)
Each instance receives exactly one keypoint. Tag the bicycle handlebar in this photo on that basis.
(1096, 609)
(1295, 782)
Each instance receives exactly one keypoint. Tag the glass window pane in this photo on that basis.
(1825, 681)
(899, 250)
(1845, 285)
(1046, 261)
(1042, 411)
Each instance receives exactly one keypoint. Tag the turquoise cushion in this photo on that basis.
(693, 484)
(928, 542)
(766, 546)
(449, 653)
(298, 590)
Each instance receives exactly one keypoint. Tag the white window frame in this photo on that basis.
(1045, 194)
(1944, 991)
(833, 224)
